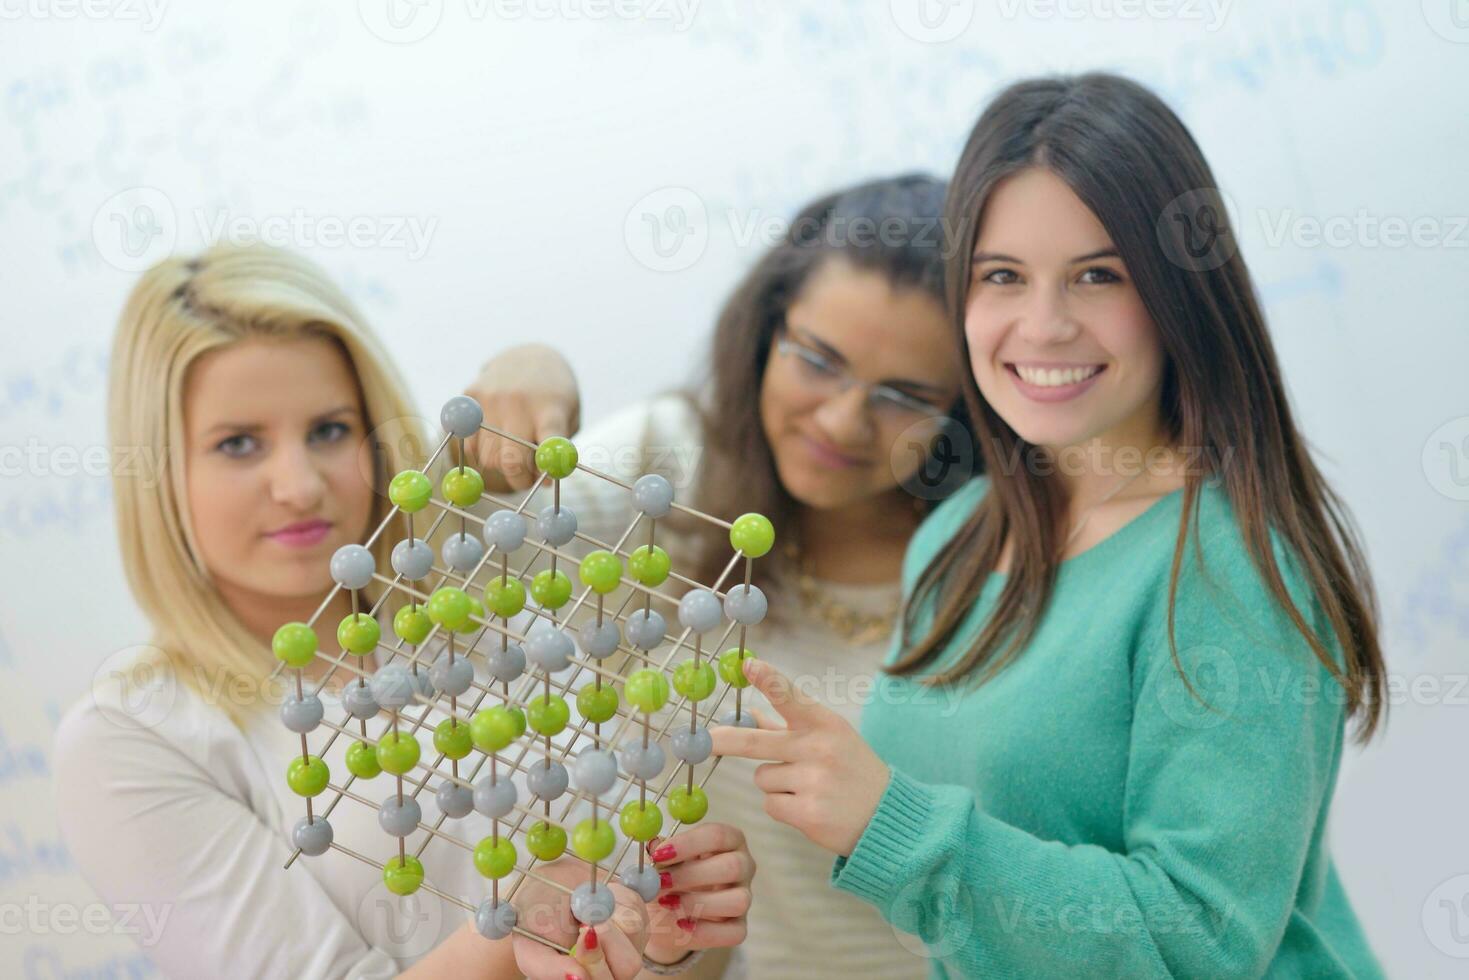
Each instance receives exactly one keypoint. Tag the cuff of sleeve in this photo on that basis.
(878, 866)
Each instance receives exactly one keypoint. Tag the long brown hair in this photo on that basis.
(909, 247)
(1134, 164)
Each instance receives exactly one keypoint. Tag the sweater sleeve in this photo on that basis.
(1221, 807)
(149, 829)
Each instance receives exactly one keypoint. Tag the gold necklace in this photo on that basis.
(854, 626)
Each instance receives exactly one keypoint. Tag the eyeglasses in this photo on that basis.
(833, 378)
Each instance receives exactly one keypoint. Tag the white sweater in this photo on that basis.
(163, 802)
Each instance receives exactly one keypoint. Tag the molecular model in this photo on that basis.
(511, 715)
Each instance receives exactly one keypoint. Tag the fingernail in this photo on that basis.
(652, 845)
(669, 901)
(589, 940)
(687, 925)
(665, 880)
(665, 852)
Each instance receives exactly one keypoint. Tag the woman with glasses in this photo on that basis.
(830, 405)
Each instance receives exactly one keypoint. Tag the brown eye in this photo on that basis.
(1001, 277)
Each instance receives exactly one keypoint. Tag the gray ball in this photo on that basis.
(646, 629)
(301, 715)
(555, 527)
(596, 771)
(461, 416)
(641, 763)
(745, 604)
(454, 800)
(692, 747)
(495, 920)
(746, 720)
(494, 797)
(423, 683)
(549, 648)
(546, 782)
(352, 566)
(592, 904)
(392, 686)
(699, 611)
(507, 664)
(359, 702)
(313, 836)
(399, 819)
(600, 642)
(644, 883)
(505, 530)
(453, 679)
(653, 495)
(413, 560)
(462, 552)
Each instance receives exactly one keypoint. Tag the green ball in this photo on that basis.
(641, 821)
(397, 752)
(294, 644)
(505, 595)
(362, 760)
(410, 491)
(548, 716)
(694, 681)
(688, 806)
(545, 840)
(597, 704)
(308, 776)
(600, 571)
(556, 457)
(752, 534)
(647, 689)
(651, 568)
(403, 874)
(449, 607)
(731, 668)
(551, 590)
(411, 624)
(495, 858)
(452, 739)
(462, 486)
(593, 841)
(359, 633)
(494, 728)
(476, 608)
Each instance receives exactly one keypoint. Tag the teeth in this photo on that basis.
(1055, 377)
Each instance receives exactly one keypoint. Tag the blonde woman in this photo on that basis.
(261, 384)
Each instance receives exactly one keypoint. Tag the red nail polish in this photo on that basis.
(665, 880)
(572, 976)
(687, 925)
(589, 940)
(665, 852)
(669, 901)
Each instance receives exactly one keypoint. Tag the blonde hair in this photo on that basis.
(180, 309)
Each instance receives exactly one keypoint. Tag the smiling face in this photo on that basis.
(274, 461)
(1059, 340)
(834, 447)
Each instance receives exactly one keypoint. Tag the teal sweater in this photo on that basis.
(1082, 814)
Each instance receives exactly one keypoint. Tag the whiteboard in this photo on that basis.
(597, 174)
